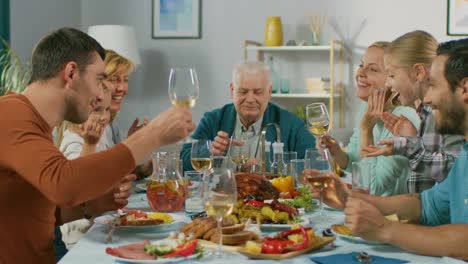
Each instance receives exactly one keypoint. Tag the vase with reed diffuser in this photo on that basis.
(316, 24)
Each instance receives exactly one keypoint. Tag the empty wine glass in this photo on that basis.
(219, 194)
(200, 154)
(183, 87)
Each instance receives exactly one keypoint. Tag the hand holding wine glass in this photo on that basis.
(183, 87)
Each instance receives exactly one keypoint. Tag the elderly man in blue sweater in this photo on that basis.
(250, 111)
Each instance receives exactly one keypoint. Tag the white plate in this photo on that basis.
(357, 239)
(273, 227)
(162, 228)
(160, 260)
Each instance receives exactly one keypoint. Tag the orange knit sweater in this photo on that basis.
(35, 178)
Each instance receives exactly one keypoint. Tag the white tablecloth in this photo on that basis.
(91, 248)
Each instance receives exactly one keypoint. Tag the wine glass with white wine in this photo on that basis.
(239, 149)
(318, 120)
(219, 194)
(183, 87)
(200, 155)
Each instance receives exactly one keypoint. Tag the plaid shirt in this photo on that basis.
(430, 154)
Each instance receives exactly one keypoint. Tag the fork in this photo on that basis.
(114, 225)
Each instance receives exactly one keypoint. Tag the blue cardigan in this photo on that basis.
(294, 133)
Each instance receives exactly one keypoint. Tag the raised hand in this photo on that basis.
(135, 127)
(91, 131)
(172, 125)
(374, 151)
(337, 153)
(221, 143)
(375, 108)
(398, 125)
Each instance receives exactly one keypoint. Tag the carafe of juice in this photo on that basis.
(166, 189)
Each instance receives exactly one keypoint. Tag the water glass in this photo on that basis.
(361, 176)
(193, 200)
(297, 166)
(287, 157)
(284, 85)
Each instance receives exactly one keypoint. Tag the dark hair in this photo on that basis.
(456, 67)
(60, 47)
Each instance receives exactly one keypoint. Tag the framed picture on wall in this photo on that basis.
(457, 17)
(176, 19)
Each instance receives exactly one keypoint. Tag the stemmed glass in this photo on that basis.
(240, 154)
(320, 179)
(183, 87)
(318, 122)
(200, 155)
(219, 194)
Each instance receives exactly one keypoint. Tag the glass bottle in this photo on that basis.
(275, 81)
(267, 156)
(278, 165)
(166, 188)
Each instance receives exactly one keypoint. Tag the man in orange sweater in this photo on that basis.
(66, 82)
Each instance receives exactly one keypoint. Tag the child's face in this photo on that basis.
(101, 113)
(401, 80)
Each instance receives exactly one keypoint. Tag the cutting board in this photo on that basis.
(210, 245)
(322, 242)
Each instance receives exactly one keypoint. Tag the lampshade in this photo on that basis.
(119, 38)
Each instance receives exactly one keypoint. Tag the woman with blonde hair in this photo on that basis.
(118, 69)
(388, 174)
(431, 154)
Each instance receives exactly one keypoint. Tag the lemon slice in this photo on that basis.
(161, 216)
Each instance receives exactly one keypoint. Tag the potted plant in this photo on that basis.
(300, 111)
(14, 75)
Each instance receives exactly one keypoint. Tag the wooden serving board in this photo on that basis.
(210, 245)
(322, 242)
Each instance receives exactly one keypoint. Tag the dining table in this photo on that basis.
(91, 248)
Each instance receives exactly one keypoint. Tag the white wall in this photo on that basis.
(226, 24)
(30, 20)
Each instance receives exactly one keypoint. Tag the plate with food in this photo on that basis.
(162, 251)
(286, 244)
(143, 221)
(271, 215)
(344, 232)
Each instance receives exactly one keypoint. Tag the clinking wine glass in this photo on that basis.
(183, 87)
(219, 194)
(200, 155)
(240, 153)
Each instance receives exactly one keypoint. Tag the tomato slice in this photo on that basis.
(184, 250)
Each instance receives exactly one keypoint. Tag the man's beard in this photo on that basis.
(452, 119)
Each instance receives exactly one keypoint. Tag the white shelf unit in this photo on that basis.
(336, 88)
